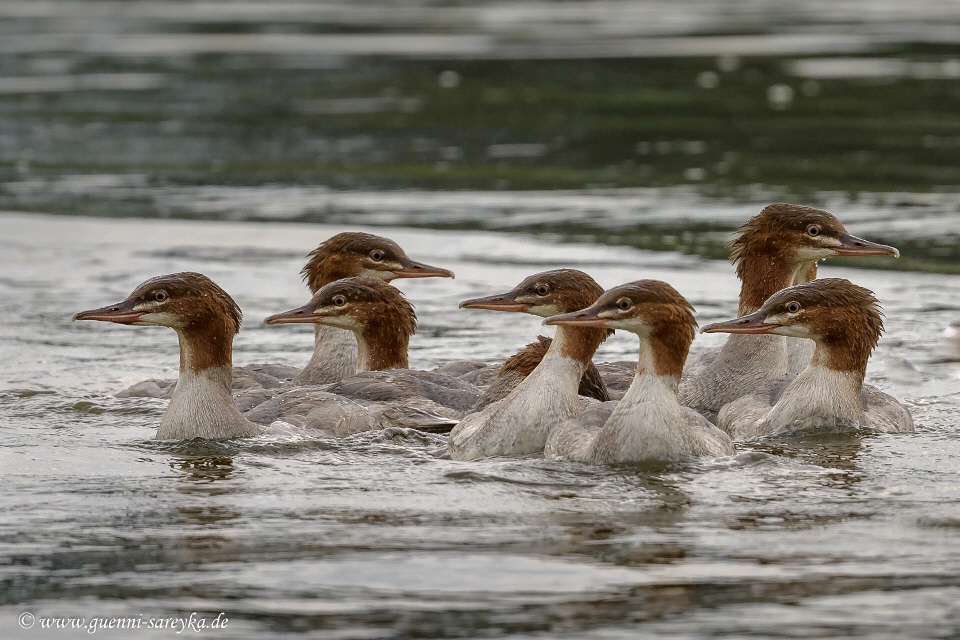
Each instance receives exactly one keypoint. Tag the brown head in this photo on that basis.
(548, 294)
(844, 319)
(203, 314)
(380, 316)
(653, 310)
(781, 245)
(544, 294)
(351, 254)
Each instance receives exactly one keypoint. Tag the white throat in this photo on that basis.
(202, 407)
(363, 354)
(334, 356)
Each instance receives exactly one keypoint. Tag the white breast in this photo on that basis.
(521, 422)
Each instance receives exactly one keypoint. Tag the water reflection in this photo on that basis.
(201, 541)
(642, 530)
(204, 474)
(830, 451)
(206, 515)
(200, 524)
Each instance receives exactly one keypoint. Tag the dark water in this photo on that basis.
(527, 136)
(263, 110)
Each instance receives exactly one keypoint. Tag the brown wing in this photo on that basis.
(592, 385)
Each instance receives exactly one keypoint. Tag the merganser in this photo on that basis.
(383, 321)
(348, 255)
(548, 300)
(334, 355)
(206, 319)
(520, 422)
(845, 322)
(775, 249)
(648, 423)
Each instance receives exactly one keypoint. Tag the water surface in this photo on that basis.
(381, 535)
(673, 115)
(231, 138)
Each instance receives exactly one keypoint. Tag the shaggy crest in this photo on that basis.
(342, 256)
(184, 291)
(765, 231)
(841, 314)
(386, 317)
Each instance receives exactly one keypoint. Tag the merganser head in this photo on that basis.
(544, 294)
(653, 310)
(380, 316)
(203, 314)
(179, 300)
(799, 233)
(351, 254)
(781, 245)
(837, 314)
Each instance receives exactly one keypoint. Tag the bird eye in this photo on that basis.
(793, 307)
(160, 296)
(376, 255)
(542, 289)
(813, 231)
(339, 301)
(624, 303)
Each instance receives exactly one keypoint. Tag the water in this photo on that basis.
(497, 139)
(679, 118)
(381, 535)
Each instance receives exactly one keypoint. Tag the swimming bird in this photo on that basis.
(348, 255)
(334, 357)
(206, 319)
(845, 322)
(775, 249)
(648, 423)
(383, 321)
(544, 300)
(520, 422)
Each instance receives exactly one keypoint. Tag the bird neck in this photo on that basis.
(847, 353)
(202, 407)
(577, 343)
(557, 376)
(663, 351)
(334, 356)
(382, 346)
(206, 346)
(762, 275)
(648, 422)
